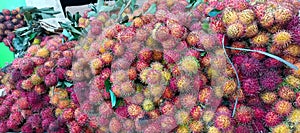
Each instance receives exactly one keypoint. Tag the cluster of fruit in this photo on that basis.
(10, 21)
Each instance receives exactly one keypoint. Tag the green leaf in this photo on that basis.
(70, 16)
(27, 16)
(214, 12)
(107, 85)
(113, 98)
(75, 30)
(132, 5)
(92, 14)
(66, 33)
(100, 4)
(119, 3)
(121, 11)
(203, 54)
(51, 12)
(33, 35)
(152, 9)
(267, 54)
(59, 84)
(106, 9)
(128, 24)
(77, 16)
(205, 26)
(68, 84)
(189, 6)
(114, 16)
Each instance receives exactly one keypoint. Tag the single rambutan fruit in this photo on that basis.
(154, 77)
(3, 127)
(247, 16)
(283, 107)
(229, 87)
(213, 129)
(272, 119)
(127, 89)
(134, 110)
(272, 63)
(168, 123)
(282, 39)
(270, 80)
(43, 52)
(193, 38)
(148, 105)
(207, 42)
(293, 81)
(107, 58)
(26, 64)
(184, 84)
(229, 16)
(251, 86)
(157, 55)
(242, 129)
(223, 110)
(196, 126)
(196, 112)
(64, 62)
(205, 94)
(286, 93)
(27, 84)
(189, 64)
(171, 56)
(182, 117)
(105, 110)
(281, 128)
(282, 15)
(250, 67)
(267, 20)
(35, 79)
(244, 114)
(188, 101)
(141, 34)
(235, 30)
(293, 50)
(258, 113)
(223, 122)
(167, 108)
(294, 116)
(208, 116)
(269, 97)
(51, 79)
(126, 35)
(260, 40)
(237, 44)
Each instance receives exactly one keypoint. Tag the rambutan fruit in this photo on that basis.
(107, 58)
(251, 86)
(242, 129)
(223, 122)
(141, 34)
(189, 64)
(171, 56)
(188, 101)
(34, 120)
(205, 94)
(282, 15)
(286, 93)
(126, 35)
(154, 77)
(213, 129)
(51, 79)
(26, 64)
(237, 44)
(196, 126)
(235, 30)
(281, 128)
(157, 55)
(272, 63)
(251, 30)
(260, 40)
(270, 80)
(182, 117)
(184, 83)
(127, 89)
(229, 87)
(250, 67)
(27, 128)
(294, 116)
(269, 97)
(272, 119)
(193, 38)
(148, 105)
(161, 33)
(258, 113)
(247, 16)
(282, 39)
(3, 127)
(105, 110)
(283, 107)
(145, 55)
(196, 112)
(267, 20)
(64, 62)
(27, 84)
(223, 110)
(293, 81)
(258, 126)
(229, 16)
(167, 123)
(167, 108)
(293, 50)
(207, 42)
(208, 116)
(43, 52)
(134, 110)
(4, 111)
(244, 114)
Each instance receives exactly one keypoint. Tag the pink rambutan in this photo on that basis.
(272, 119)
(286, 93)
(223, 122)
(122, 112)
(171, 56)
(244, 114)
(105, 110)
(26, 64)
(167, 123)
(27, 73)
(82, 118)
(242, 129)
(258, 113)
(223, 110)
(27, 128)
(258, 126)
(167, 108)
(3, 111)
(60, 73)
(115, 125)
(47, 113)
(42, 71)
(297, 100)
(64, 62)
(251, 86)
(75, 127)
(35, 120)
(188, 101)
(15, 75)
(270, 80)
(250, 67)
(3, 127)
(141, 65)
(51, 79)
(27, 84)
(16, 116)
(272, 63)
(283, 107)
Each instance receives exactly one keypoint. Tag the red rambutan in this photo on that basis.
(270, 80)
(250, 67)
(283, 107)
(244, 114)
(272, 119)
(251, 86)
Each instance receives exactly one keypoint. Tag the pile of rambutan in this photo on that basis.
(171, 66)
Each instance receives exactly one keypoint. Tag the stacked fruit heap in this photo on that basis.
(10, 21)
(164, 70)
(169, 72)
